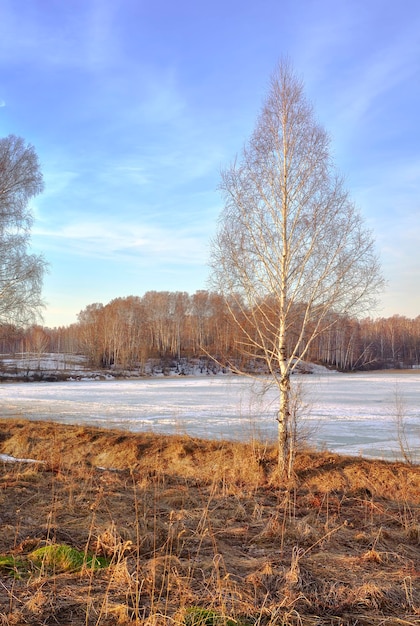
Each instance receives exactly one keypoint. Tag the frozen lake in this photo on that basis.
(347, 413)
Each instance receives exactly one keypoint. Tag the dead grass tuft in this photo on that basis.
(109, 543)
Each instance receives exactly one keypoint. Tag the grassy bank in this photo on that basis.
(118, 528)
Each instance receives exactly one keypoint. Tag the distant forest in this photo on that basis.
(127, 332)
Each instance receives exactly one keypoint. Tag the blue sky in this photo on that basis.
(134, 107)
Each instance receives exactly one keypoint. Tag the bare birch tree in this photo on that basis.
(21, 272)
(291, 253)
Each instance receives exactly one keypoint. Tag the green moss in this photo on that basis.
(62, 558)
(56, 558)
(196, 616)
(13, 566)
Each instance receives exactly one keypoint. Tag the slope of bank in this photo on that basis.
(194, 532)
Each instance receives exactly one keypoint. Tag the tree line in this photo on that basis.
(167, 326)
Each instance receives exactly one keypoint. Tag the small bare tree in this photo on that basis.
(400, 408)
(21, 272)
(37, 343)
(291, 254)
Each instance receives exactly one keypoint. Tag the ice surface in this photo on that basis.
(348, 413)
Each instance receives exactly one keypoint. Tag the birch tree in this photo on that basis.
(291, 254)
(21, 272)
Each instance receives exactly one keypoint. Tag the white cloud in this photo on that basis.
(355, 58)
(112, 240)
(158, 95)
(136, 175)
(100, 40)
(57, 181)
(84, 39)
(369, 82)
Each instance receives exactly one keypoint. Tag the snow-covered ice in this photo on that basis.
(347, 413)
(6, 458)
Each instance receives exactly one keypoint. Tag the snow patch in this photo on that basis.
(6, 458)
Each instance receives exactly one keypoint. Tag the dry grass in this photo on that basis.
(201, 533)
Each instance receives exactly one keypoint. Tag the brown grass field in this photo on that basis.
(118, 528)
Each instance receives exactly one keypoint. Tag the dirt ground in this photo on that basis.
(175, 530)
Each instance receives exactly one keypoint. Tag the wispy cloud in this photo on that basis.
(113, 240)
(355, 55)
(79, 36)
(372, 80)
(99, 38)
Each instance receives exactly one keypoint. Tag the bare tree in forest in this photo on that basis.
(291, 254)
(21, 272)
